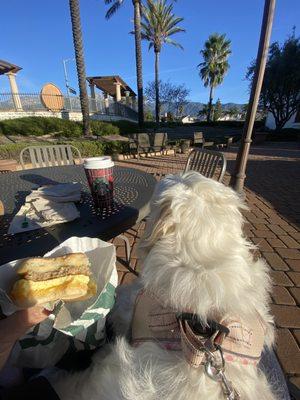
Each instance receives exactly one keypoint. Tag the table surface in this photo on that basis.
(132, 192)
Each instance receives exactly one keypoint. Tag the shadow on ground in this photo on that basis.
(278, 182)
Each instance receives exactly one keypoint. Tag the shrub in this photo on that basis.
(38, 126)
(100, 128)
(13, 150)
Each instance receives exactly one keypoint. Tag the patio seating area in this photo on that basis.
(272, 223)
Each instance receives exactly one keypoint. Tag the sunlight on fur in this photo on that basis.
(195, 259)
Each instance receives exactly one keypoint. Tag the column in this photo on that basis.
(93, 96)
(134, 102)
(118, 91)
(106, 103)
(127, 98)
(14, 91)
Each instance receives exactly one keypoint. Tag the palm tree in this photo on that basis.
(78, 47)
(158, 24)
(215, 65)
(138, 48)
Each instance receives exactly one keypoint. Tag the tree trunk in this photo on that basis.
(157, 103)
(78, 47)
(209, 111)
(138, 57)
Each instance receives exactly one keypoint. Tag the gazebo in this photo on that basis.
(10, 70)
(113, 86)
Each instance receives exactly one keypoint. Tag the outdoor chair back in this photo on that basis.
(209, 163)
(49, 156)
(144, 142)
(198, 139)
(159, 141)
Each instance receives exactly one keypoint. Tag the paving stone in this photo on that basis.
(275, 261)
(120, 276)
(295, 235)
(262, 244)
(281, 295)
(286, 316)
(295, 291)
(290, 242)
(264, 234)
(276, 243)
(296, 333)
(295, 381)
(295, 277)
(128, 278)
(294, 264)
(289, 253)
(277, 229)
(261, 227)
(287, 351)
(281, 279)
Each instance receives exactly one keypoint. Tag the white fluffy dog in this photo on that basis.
(195, 259)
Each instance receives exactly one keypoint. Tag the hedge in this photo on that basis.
(38, 126)
(87, 148)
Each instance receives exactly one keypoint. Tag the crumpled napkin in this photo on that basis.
(46, 206)
(59, 193)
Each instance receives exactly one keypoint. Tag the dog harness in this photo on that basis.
(236, 342)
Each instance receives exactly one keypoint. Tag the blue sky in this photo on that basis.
(38, 36)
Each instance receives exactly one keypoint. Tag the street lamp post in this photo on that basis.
(67, 79)
(238, 177)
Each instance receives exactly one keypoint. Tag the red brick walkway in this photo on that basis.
(272, 192)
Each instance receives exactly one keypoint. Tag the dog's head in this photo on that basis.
(195, 255)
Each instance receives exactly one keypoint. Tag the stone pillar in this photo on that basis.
(106, 103)
(134, 102)
(93, 97)
(118, 91)
(127, 98)
(14, 91)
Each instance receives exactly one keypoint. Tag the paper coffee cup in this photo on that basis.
(99, 173)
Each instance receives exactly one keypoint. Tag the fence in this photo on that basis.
(34, 102)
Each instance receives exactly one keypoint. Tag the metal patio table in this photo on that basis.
(132, 192)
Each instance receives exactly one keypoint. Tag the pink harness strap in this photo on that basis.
(154, 323)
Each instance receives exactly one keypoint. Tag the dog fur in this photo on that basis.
(194, 257)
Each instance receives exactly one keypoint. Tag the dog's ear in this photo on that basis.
(159, 225)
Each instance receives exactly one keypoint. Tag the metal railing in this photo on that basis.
(33, 102)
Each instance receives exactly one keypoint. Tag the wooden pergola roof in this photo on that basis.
(8, 67)
(107, 84)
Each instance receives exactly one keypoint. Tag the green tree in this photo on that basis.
(215, 64)
(281, 86)
(158, 25)
(137, 4)
(78, 47)
(218, 111)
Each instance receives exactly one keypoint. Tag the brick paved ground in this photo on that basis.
(272, 223)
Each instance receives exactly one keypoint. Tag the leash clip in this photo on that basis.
(216, 372)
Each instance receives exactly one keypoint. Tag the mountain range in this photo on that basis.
(192, 108)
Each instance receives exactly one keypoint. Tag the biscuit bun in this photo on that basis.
(42, 280)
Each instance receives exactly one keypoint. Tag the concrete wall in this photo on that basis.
(73, 116)
(270, 122)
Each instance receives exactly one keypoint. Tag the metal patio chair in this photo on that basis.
(159, 141)
(49, 155)
(143, 143)
(199, 140)
(209, 163)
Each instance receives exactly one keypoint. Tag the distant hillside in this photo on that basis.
(192, 108)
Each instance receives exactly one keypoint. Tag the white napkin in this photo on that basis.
(60, 193)
(46, 206)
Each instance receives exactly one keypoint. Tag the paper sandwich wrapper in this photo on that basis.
(71, 326)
